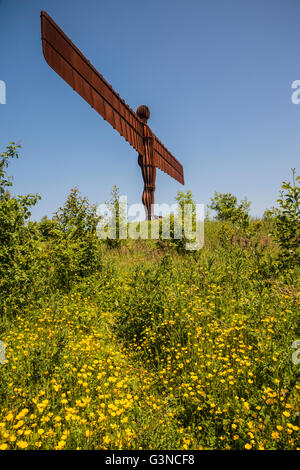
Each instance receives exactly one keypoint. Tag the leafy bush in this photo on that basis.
(73, 245)
(18, 239)
(184, 218)
(77, 217)
(115, 208)
(228, 209)
(286, 221)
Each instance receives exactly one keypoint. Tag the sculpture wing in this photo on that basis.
(67, 60)
(165, 161)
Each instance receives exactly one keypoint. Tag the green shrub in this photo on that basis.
(18, 240)
(227, 208)
(286, 230)
(184, 218)
(116, 209)
(73, 246)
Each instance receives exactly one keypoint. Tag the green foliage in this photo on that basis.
(73, 245)
(228, 209)
(18, 239)
(47, 228)
(210, 330)
(77, 217)
(186, 198)
(143, 348)
(182, 224)
(10, 153)
(286, 221)
(117, 218)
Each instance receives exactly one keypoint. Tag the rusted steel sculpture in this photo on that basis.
(66, 59)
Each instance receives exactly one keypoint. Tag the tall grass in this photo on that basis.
(157, 349)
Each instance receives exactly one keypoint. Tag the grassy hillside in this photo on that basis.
(158, 350)
(142, 345)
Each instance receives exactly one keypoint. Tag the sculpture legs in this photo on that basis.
(149, 175)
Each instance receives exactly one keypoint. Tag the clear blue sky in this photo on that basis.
(216, 75)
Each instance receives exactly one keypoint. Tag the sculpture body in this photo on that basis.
(146, 163)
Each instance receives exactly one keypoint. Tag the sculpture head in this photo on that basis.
(143, 113)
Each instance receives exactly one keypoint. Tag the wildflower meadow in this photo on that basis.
(140, 344)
